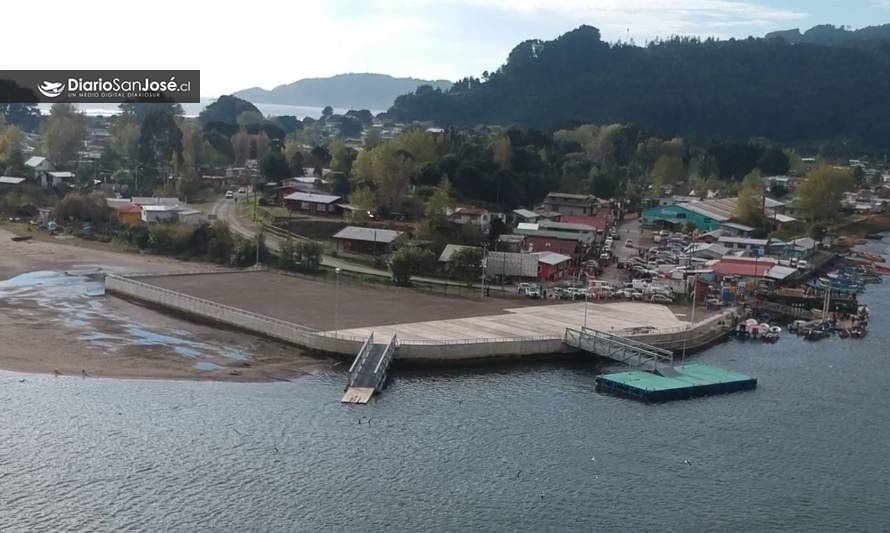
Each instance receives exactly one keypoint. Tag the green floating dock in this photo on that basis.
(686, 381)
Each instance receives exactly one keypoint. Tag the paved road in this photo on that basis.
(226, 210)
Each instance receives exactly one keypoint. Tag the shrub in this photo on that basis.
(300, 255)
(408, 261)
(83, 208)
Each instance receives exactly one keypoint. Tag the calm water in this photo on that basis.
(529, 448)
(192, 110)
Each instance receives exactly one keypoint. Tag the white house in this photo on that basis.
(53, 179)
(474, 216)
(39, 166)
(160, 213)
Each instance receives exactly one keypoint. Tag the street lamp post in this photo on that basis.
(337, 303)
(586, 301)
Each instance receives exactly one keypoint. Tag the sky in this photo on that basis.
(265, 43)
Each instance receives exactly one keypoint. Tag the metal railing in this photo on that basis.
(355, 371)
(336, 335)
(632, 353)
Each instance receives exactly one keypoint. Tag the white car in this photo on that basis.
(241, 190)
(661, 299)
(229, 195)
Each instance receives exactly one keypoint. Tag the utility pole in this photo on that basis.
(258, 237)
(484, 249)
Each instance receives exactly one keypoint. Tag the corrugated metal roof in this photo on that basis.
(450, 249)
(525, 213)
(744, 240)
(355, 233)
(34, 161)
(312, 197)
(565, 226)
(780, 272)
(562, 235)
(552, 258)
(9, 180)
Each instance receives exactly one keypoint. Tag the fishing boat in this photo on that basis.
(816, 334)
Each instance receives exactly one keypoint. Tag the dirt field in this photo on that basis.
(49, 322)
(314, 303)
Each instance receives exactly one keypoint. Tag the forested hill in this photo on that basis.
(348, 91)
(734, 89)
(831, 35)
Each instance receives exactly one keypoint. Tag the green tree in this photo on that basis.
(25, 116)
(160, 147)
(10, 141)
(503, 152)
(287, 253)
(364, 200)
(83, 207)
(141, 110)
(293, 151)
(669, 170)
(749, 206)
(439, 202)
(249, 118)
(467, 264)
(409, 261)
(308, 255)
(63, 134)
(221, 244)
(821, 193)
(241, 146)
(192, 145)
(125, 137)
(342, 156)
(774, 162)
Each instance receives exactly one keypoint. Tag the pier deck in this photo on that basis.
(685, 381)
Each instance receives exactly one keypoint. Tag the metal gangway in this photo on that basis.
(368, 372)
(636, 354)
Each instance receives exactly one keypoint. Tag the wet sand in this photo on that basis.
(103, 336)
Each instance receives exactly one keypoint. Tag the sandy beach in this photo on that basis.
(50, 324)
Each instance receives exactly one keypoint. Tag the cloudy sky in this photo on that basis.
(266, 43)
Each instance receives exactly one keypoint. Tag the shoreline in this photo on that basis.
(42, 331)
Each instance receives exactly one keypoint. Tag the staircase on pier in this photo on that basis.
(367, 374)
(636, 354)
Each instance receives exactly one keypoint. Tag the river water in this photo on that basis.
(488, 449)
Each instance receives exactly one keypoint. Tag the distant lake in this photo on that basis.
(192, 110)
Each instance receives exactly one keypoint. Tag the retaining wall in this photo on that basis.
(700, 336)
(320, 341)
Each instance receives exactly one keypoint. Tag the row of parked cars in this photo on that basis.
(670, 253)
(602, 291)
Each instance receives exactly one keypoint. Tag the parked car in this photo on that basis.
(229, 195)
(628, 243)
(522, 287)
(577, 292)
(532, 291)
(659, 298)
(241, 190)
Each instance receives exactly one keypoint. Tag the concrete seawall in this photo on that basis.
(698, 337)
(325, 342)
